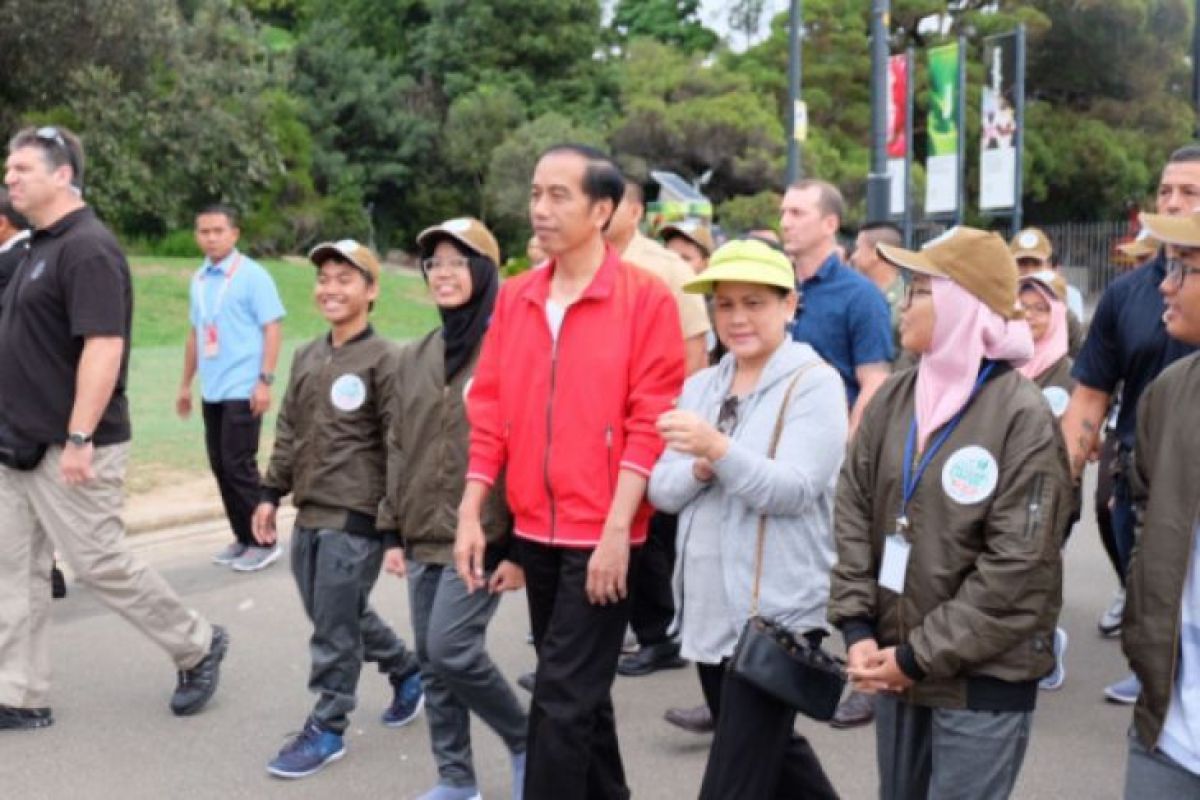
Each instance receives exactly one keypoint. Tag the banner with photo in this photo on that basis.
(897, 131)
(999, 124)
(942, 163)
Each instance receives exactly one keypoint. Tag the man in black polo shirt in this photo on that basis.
(1127, 345)
(64, 438)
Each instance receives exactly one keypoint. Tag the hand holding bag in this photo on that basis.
(794, 670)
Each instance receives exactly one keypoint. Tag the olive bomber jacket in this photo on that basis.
(983, 587)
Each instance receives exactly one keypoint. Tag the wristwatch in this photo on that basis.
(267, 378)
(79, 438)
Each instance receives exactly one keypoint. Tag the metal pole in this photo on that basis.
(961, 213)
(1196, 66)
(795, 27)
(1019, 89)
(911, 56)
(878, 205)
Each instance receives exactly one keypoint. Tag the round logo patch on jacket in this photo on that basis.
(348, 393)
(1058, 399)
(970, 475)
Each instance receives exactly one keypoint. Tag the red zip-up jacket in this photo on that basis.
(564, 418)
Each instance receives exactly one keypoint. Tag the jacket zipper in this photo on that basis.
(1179, 621)
(1033, 516)
(550, 425)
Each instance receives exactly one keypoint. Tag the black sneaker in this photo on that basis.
(197, 685)
(24, 719)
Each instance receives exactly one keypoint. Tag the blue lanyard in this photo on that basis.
(911, 481)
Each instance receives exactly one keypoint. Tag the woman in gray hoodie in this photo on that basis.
(716, 473)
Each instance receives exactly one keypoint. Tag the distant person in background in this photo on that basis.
(1035, 253)
(234, 344)
(691, 240)
(883, 274)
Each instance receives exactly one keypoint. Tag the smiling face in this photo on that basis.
(343, 292)
(751, 319)
(918, 317)
(448, 272)
(1181, 292)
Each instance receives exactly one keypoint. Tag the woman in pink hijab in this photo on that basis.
(948, 522)
(1050, 367)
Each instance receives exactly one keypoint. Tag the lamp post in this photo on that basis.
(795, 27)
(878, 180)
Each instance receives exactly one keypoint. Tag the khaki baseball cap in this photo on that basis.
(1183, 231)
(693, 230)
(467, 231)
(1031, 243)
(744, 261)
(350, 251)
(979, 261)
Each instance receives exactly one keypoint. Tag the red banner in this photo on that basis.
(897, 107)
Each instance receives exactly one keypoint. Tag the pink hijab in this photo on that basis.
(965, 332)
(1048, 350)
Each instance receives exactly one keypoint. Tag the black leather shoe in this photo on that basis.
(24, 719)
(692, 720)
(664, 655)
(857, 709)
(526, 681)
(197, 685)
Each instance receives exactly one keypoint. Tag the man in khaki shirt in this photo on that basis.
(653, 602)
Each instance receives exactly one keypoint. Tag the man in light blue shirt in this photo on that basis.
(234, 344)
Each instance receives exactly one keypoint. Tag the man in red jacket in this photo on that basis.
(582, 356)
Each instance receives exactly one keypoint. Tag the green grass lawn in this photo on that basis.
(165, 446)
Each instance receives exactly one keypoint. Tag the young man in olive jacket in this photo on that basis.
(1161, 629)
(330, 453)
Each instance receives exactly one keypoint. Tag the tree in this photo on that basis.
(672, 22)
(475, 125)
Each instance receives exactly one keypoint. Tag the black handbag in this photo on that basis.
(794, 670)
(16, 452)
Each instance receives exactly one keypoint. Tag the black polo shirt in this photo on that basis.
(74, 283)
(12, 253)
(1127, 343)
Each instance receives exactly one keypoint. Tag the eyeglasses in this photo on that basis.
(911, 292)
(1177, 273)
(428, 265)
(727, 417)
(53, 136)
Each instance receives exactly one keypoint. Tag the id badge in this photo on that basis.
(211, 345)
(896, 550)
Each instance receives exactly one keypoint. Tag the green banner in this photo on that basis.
(943, 100)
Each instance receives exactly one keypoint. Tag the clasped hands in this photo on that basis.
(872, 670)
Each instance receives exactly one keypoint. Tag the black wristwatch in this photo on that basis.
(79, 439)
(267, 378)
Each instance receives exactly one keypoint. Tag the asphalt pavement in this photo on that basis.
(114, 736)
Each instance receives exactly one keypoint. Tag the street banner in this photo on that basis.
(897, 132)
(942, 164)
(999, 125)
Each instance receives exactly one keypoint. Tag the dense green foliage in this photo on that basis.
(375, 118)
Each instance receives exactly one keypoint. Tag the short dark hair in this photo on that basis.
(60, 147)
(883, 232)
(602, 180)
(1185, 154)
(829, 197)
(224, 209)
(14, 217)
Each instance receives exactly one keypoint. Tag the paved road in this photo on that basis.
(115, 737)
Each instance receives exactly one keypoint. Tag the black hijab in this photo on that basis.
(463, 327)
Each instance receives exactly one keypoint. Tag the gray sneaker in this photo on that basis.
(230, 553)
(256, 558)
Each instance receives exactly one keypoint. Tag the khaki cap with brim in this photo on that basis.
(1184, 231)
(1143, 246)
(744, 261)
(1031, 243)
(978, 261)
(695, 232)
(467, 231)
(349, 251)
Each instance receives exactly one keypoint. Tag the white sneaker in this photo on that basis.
(1055, 679)
(1110, 620)
(256, 558)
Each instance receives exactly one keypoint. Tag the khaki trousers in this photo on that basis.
(39, 514)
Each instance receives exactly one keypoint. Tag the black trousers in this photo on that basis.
(231, 436)
(572, 748)
(756, 753)
(653, 600)
(1104, 493)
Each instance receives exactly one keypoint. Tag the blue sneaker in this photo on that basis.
(1124, 691)
(308, 752)
(1054, 681)
(406, 703)
(518, 772)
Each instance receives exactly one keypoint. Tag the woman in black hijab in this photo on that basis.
(427, 465)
